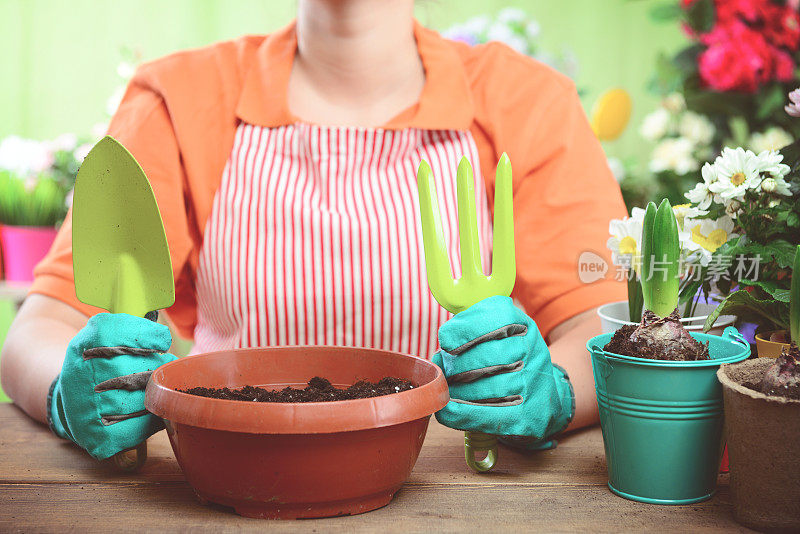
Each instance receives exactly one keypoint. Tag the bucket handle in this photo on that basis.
(731, 334)
(605, 366)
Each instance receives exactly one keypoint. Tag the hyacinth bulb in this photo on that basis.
(782, 378)
(666, 338)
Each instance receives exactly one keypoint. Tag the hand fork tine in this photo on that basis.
(473, 286)
(471, 269)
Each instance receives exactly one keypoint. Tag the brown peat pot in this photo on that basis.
(296, 460)
(763, 432)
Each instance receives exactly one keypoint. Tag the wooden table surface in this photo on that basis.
(47, 484)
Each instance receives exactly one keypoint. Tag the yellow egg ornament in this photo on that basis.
(611, 113)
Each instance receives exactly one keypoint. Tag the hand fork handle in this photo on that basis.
(473, 286)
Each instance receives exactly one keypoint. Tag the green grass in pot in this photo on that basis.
(40, 204)
(660, 334)
(783, 377)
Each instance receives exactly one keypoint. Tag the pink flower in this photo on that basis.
(793, 109)
(735, 60)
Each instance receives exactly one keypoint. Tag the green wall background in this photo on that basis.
(59, 57)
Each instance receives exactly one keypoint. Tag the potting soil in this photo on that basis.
(318, 390)
(657, 339)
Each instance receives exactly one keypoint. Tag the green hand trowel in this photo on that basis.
(473, 286)
(120, 255)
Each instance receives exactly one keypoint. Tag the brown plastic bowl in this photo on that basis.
(294, 460)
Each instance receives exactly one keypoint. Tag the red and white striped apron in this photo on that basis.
(314, 239)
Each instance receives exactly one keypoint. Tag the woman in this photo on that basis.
(284, 168)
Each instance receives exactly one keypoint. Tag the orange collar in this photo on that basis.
(445, 102)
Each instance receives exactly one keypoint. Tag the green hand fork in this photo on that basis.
(473, 286)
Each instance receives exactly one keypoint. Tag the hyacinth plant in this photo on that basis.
(660, 334)
(699, 239)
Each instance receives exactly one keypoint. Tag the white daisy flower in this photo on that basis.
(769, 162)
(737, 171)
(705, 236)
(656, 125)
(701, 195)
(673, 155)
(686, 211)
(696, 128)
(626, 238)
(777, 186)
(774, 138)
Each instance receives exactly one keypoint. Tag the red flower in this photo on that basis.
(782, 27)
(749, 44)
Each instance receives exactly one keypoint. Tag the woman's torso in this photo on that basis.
(314, 238)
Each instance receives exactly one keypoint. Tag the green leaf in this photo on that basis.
(667, 78)
(667, 250)
(771, 288)
(686, 59)
(770, 101)
(647, 255)
(635, 298)
(660, 259)
(700, 15)
(768, 312)
(668, 11)
(740, 132)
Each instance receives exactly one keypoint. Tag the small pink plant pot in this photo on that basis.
(23, 247)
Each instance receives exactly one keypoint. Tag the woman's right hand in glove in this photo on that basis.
(98, 399)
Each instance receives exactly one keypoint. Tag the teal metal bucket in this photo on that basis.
(662, 420)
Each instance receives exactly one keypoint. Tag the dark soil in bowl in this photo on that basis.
(657, 338)
(318, 390)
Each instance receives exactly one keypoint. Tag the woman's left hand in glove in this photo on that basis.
(501, 379)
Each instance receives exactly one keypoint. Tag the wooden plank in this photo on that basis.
(102, 507)
(32, 454)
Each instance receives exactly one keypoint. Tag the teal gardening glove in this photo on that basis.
(98, 399)
(501, 379)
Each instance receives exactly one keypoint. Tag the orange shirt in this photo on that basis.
(180, 115)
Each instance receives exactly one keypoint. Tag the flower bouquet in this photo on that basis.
(726, 88)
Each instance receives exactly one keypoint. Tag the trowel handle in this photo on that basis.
(131, 460)
(480, 442)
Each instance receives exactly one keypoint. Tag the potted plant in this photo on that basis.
(35, 181)
(698, 254)
(762, 414)
(659, 400)
(760, 192)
